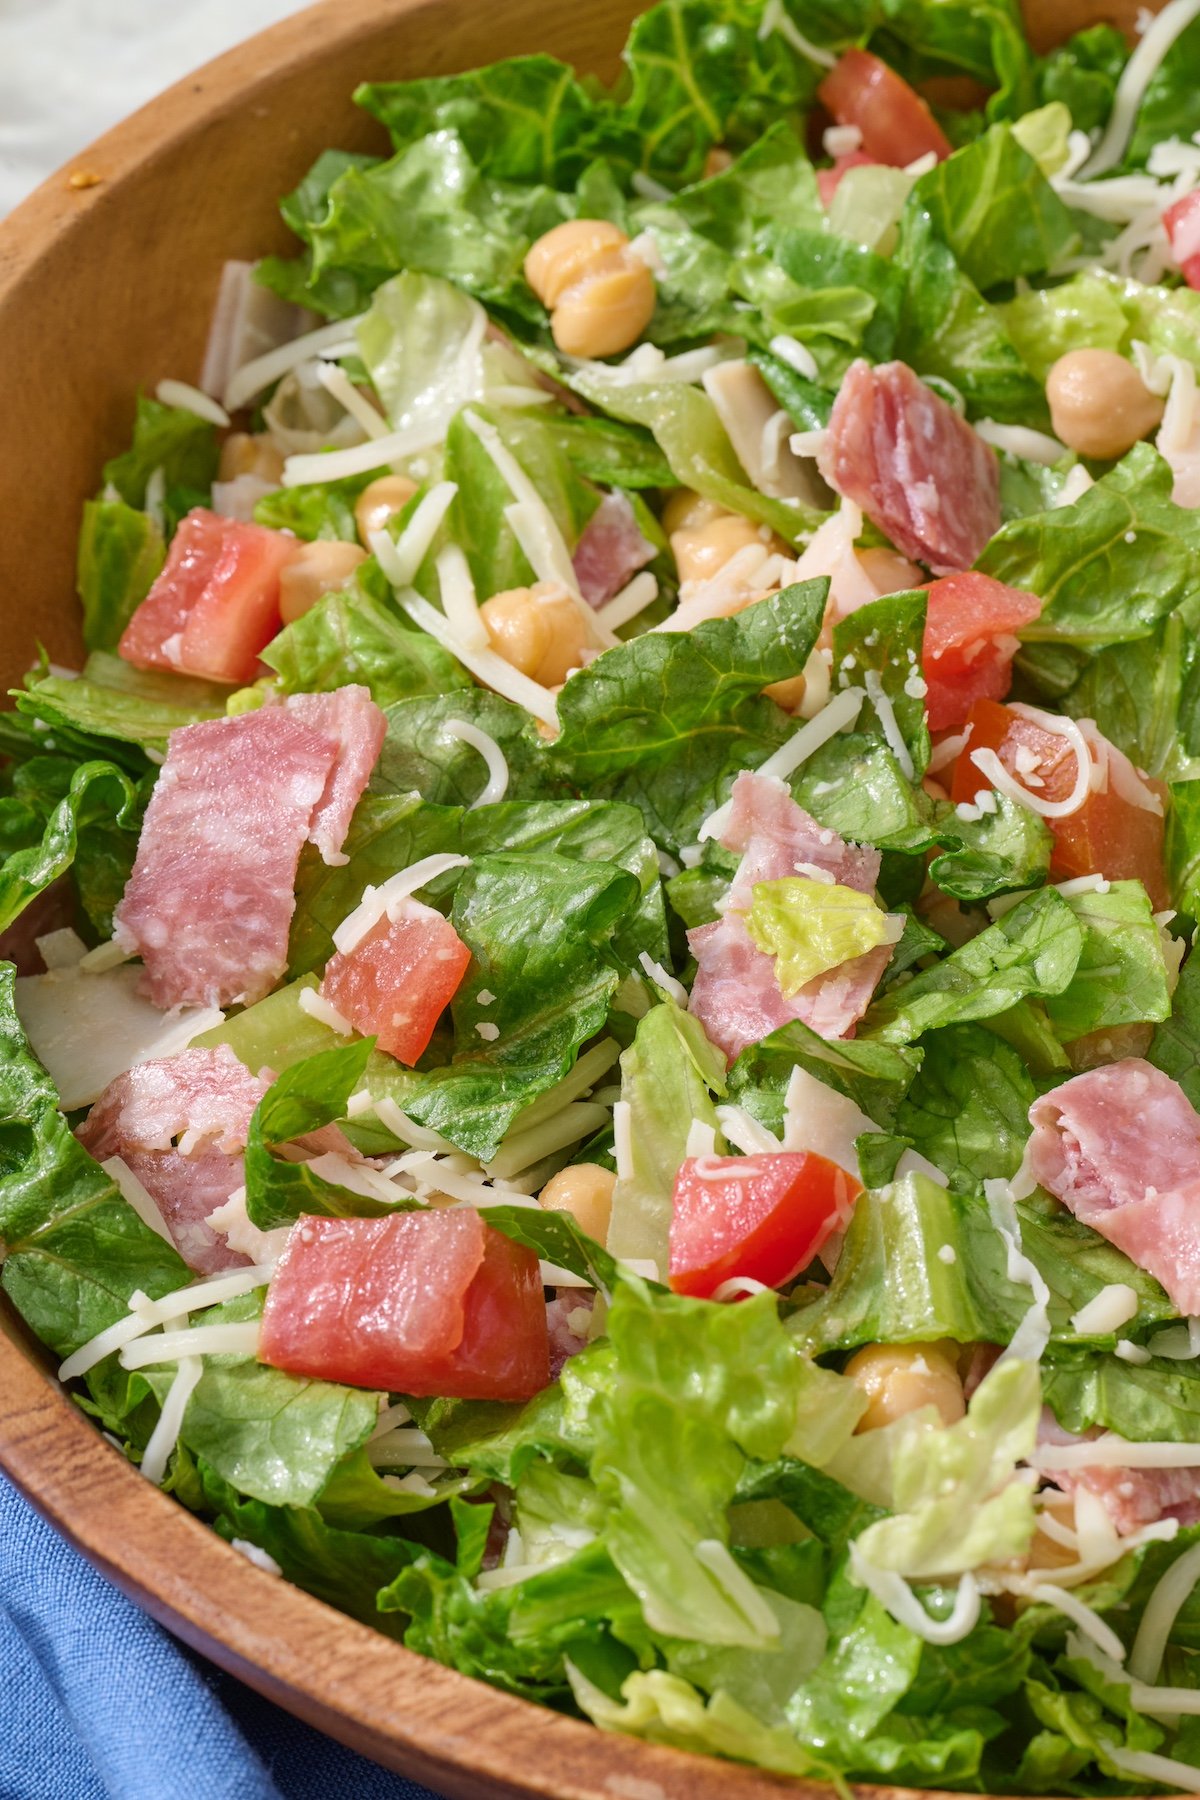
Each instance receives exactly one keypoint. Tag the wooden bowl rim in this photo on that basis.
(408, 1712)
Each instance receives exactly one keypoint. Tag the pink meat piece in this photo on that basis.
(1120, 1147)
(610, 551)
(564, 1341)
(138, 1117)
(210, 901)
(357, 726)
(916, 467)
(735, 994)
(1132, 1498)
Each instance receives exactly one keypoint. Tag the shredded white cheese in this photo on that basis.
(989, 765)
(496, 785)
(137, 1196)
(885, 712)
(1021, 440)
(841, 712)
(145, 1315)
(1111, 1308)
(317, 1007)
(1136, 76)
(664, 980)
(776, 18)
(199, 1340)
(1087, 1619)
(190, 399)
(458, 597)
(389, 897)
(1033, 1333)
(401, 560)
(1162, 1609)
(485, 665)
(338, 384)
(895, 1595)
(1112, 1452)
(165, 1435)
(745, 1133)
(623, 1140)
(253, 377)
(262, 1559)
(360, 459)
(633, 599)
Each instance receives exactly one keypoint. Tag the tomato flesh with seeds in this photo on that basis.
(1108, 835)
(215, 605)
(762, 1217)
(399, 979)
(896, 125)
(969, 643)
(430, 1302)
(1182, 221)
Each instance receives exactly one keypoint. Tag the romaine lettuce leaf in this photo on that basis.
(1122, 977)
(113, 699)
(176, 441)
(881, 642)
(993, 207)
(121, 550)
(93, 810)
(968, 1107)
(810, 927)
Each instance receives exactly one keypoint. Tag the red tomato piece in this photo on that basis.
(829, 180)
(763, 1216)
(416, 1303)
(1183, 228)
(398, 981)
(215, 604)
(896, 124)
(1108, 835)
(969, 643)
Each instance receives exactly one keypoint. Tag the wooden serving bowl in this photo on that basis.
(107, 276)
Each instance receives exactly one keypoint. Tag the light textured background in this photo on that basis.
(71, 68)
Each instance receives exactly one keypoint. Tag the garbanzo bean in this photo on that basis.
(601, 297)
(316, 569)
(585, 1190)
(380, 501)
(700, 553)
(539, 630)
(242, 454)
(899, 1378)
(563, 256)
(687, 510)
(1099, 404)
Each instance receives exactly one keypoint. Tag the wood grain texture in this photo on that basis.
(102, 290)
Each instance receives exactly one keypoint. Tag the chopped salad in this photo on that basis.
(600, 1053)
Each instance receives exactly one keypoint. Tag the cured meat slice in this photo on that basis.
(416, 1303)
(211, 897)
(913, 464)
(203, 1098)
(1120, 1147)
(610, 551)
(736, 995)
(358, 727)
(1132, 1498)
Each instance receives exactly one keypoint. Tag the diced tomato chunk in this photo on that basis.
(215, 605)
(416, 1303)
(829, 180)
(398, 981)
(969, 645)
(1109, 835)
(896, 125)
(763, 1217)
(1183, 228)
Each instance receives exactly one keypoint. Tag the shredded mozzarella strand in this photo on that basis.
(841, 712)
(885, 712)
(796, 355)
(389, 896)
(775, 18)
(1156, 1768)
(989, 765)
(262, 1559)
(897, 1598)
(1113, 1452)
(1087, 1619)
(1174, 18)
(739, 1287)
(1021, 440)
(1107, 1311)
(496, 785)
(317, 1007)
(253, 377)
(458, 597)
(145, 1315)
(949, 750)
(1162, 1609)
(533, 523)
(633, 599)
(339, 386)
(198, 1340)
(401, 560)
(191, 399)
(360, 459)
(663, 979)
(137, 1196)
(745, 1133)
(485, 665)
(165, 1435)
(622, 1121)
(1032, 1335)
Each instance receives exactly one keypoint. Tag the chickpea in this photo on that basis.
(699, 555)
(380, 501)
(899, 1378)
(788, 693)
(888, 571)
(316, 569)
(1099, 404)
(601, 298)
(585, 1190)
(539, 630)
(687, 510)
(565, 255)
(242, 454)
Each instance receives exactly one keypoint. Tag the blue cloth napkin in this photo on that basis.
(97, 1702)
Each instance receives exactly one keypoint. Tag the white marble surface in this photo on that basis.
(71, 68)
